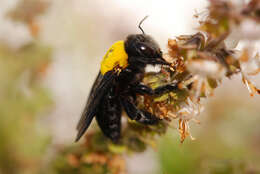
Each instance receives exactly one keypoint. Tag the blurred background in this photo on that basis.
(49, 56)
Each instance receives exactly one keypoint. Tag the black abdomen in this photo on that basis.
(109, 115)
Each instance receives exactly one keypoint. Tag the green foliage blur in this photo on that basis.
(227, 141)
(23, 99)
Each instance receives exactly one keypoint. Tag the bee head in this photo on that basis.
(142, 48)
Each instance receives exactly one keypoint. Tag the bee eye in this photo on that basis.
(146, 51)
(143, 48)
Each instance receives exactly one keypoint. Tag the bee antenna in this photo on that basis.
(140, 23)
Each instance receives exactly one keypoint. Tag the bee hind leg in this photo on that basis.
(134, 113)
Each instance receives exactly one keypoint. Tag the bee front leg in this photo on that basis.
(134, 113)
(143, 89)
(165, 88)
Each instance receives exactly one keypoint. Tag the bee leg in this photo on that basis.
(165, 88)
(145, 61)
(109, 117)
(134, 113)
(143, 89)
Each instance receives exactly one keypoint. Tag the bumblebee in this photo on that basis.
(118, 83)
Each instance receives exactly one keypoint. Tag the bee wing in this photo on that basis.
(99, 88)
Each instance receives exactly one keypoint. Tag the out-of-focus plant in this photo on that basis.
(23, 100)
(27, 12)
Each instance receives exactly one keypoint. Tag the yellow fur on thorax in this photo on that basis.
(115, 57)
